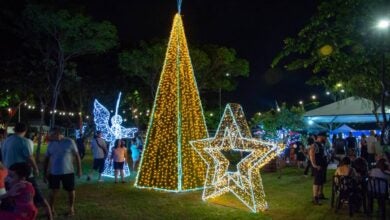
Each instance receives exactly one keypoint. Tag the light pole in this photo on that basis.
(383, 26)
(23, 102)
(220, 96)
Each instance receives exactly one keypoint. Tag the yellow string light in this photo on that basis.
(233, 134)
(168, 161)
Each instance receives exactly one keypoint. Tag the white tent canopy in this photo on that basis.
(349, 110)
(343, 129)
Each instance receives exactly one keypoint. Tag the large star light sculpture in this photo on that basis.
(111, 133)
(233, 134)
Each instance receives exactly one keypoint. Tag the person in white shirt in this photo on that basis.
(100, 152)
(371, 140)
(119, 156)
(381, 171)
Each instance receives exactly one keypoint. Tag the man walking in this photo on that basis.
(60, 153)
(18, 149)
(100, 151)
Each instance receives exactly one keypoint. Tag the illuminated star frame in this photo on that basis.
(233, 134)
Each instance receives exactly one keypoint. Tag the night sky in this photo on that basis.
(255, 29)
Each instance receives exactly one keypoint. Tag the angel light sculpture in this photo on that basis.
(111, 133)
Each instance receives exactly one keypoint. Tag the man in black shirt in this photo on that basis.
(317, 157)
(351, 144)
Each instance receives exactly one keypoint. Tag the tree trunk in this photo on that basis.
(42, 121)
(57, 85)
(54, 106)
(80, 125)
(383, 98)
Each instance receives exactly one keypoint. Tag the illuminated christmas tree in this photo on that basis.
(168, 161)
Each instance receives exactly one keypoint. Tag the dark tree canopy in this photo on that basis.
(61, 35)
(215, 67)
(344, 48)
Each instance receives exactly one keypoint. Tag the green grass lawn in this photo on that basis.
(289, 197)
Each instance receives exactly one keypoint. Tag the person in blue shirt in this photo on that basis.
(60, 154)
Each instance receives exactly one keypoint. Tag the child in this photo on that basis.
(3, 174)
(119, 154)
(21, 194)
(134, 153)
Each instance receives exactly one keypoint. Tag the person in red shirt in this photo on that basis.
(20, 195)
(3, 175)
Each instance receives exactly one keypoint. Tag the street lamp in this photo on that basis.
(220, 96)
(383, 25)
(23, 102)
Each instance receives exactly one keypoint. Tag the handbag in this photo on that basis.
(104, 149)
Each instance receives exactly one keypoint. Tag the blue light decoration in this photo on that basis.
(79, 132)
(111, 133)
(233, 134)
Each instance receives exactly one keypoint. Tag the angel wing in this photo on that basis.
(101, 118)
(128, 132)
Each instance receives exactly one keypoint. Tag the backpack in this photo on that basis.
(340, 146)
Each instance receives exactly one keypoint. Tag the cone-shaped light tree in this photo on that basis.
(168, 161)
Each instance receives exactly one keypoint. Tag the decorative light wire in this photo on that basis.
(111, 133)
(233, 134)
(179, 6)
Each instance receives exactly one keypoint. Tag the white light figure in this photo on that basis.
(80, 132)
(110, 134)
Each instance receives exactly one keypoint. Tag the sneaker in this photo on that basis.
(322, 197)
(70, 214)
(316, 201)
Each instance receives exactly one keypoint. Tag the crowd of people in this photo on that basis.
(118, 156)
(20, 195)
(357, 159)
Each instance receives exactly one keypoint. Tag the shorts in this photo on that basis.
(118, 165)
(319, 177)
(66, 179)
(98, 164)
(38, 197)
